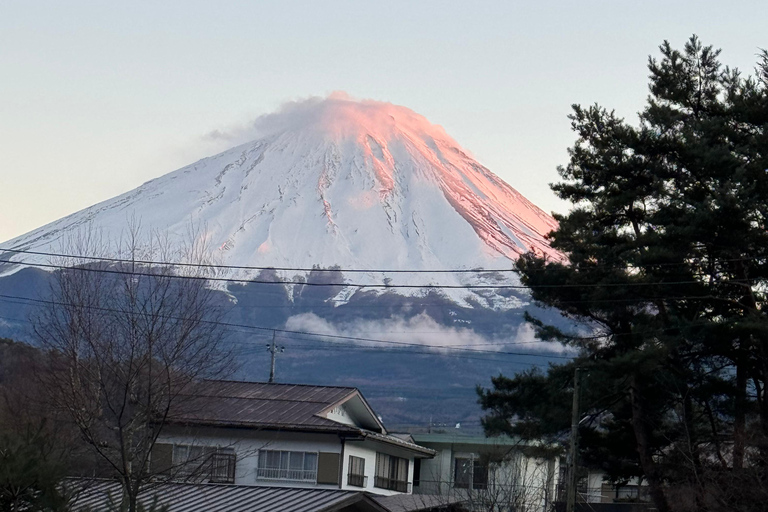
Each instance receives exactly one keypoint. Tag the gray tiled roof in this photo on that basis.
(259, 404)
(180, 497)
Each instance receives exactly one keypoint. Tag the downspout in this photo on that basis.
(341, 461)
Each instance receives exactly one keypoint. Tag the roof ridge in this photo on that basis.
(259, 398)
(235, 381)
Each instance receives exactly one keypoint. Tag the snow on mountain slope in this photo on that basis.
(335, 181)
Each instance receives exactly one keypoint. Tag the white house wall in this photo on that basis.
(535, 477)
(436, 475)
(367, 450)
(247, 444)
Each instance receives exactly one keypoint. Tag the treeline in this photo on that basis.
(38, 448)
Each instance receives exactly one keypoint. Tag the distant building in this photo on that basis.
(485, 470)
(594, 489)
(284, 435)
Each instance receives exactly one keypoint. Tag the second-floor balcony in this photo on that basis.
(391, 484)
(295, 475)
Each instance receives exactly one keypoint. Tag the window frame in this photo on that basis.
(205, 464)
(388, 470)
(477, 473)
(283, 472)
(356, 472)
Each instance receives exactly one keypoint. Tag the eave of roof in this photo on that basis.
(400, 443)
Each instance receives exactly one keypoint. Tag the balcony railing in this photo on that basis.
(357, 480)
(393, 485)
(298, 475)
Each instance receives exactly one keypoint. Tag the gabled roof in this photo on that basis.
(272, 406)
(185, 497)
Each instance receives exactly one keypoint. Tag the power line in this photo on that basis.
(426, 353)
(761, 259)
(374, 285)
(15, 300)
(248, 267)
(439, 347)
(304, 333)
(258, 281)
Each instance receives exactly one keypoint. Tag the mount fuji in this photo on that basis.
(335, 183)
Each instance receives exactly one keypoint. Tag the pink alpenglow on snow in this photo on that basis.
(331, 181)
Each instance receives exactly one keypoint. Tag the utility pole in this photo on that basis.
(570, 499)
(273, 349)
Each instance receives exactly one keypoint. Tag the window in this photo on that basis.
(391, 473)
(204, 463)
(469, 473)
(285, 465)
(223, 467)
(356, 476)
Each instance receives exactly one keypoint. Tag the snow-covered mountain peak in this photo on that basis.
(335, 181)
(341, 116)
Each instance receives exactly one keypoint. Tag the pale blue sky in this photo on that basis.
(98, 97)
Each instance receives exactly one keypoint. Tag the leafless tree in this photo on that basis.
(132, 332)
(516, 482)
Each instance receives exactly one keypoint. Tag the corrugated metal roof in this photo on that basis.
(260, 404)
(417, 502)
(275, 406)
(180, 497)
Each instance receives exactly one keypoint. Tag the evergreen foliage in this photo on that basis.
(34, 453)
(31, 472)
(667, 246)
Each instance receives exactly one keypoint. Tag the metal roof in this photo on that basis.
(182, 497)
(259, 404)
(402, 443)
(262, 405)
(458, 438)
(418, 502)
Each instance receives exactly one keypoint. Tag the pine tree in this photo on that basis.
(667, 246)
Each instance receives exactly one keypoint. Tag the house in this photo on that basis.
(284, 435)
(487, 470)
